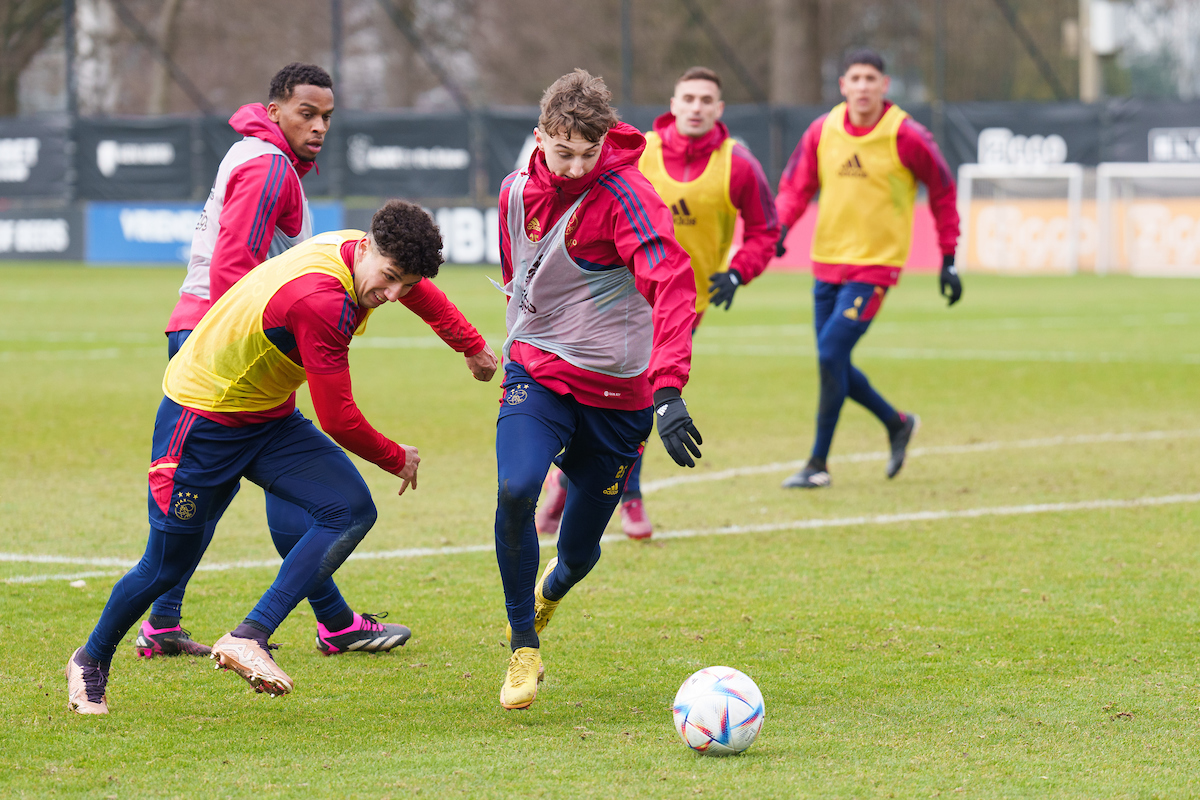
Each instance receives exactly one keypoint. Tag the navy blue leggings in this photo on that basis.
(288, 524)
(598, 446)
(297, 464)
(841, 315)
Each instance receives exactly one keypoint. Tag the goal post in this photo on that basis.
(1020, 219)
(1148, 217)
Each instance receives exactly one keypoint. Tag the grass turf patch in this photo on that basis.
(1003, 656)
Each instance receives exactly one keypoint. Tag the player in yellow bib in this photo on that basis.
(230, 412)
(708, 179)
(866, 157)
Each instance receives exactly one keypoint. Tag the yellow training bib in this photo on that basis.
(228, 363)
(703, 210)
(866, 206)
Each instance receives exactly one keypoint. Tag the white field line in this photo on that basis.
(944, 354)
(729, 530)
(916, 452)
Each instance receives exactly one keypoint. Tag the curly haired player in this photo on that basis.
(230, 412)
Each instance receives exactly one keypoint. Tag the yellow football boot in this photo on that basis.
(521, 683)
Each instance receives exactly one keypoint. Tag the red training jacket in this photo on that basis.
(253, 202)
(622, 223)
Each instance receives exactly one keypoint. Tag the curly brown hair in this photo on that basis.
(577, 103)
(408, 237)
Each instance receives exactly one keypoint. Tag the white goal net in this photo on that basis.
(1023, 219)
(1148, 219)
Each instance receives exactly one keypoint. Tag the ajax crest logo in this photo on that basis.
(185, 505)
(518, 394)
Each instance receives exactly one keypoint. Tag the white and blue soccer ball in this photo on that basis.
(718, 711)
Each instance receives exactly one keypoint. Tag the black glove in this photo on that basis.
(780, 248)
(675, 427)
(948, 283)
(721, 287)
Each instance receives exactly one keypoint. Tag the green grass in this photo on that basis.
(1036, 654)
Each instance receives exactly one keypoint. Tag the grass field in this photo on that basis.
(1015, 615)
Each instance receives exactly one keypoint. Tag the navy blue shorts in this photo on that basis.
(195, 463)
(595, 440)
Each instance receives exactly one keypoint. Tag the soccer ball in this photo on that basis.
(718, 711)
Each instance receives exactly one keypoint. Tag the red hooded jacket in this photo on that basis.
(253, 202)
(685, 159)
(622, 223)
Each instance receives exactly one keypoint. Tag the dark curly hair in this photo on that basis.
(297, 74)
(408, 237)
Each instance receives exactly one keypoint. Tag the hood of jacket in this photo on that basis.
(252, 120)
(687, 147)
(622, 148)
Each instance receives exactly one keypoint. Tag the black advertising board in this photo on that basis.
(1023, 134)
(42, 235)
(134, 159)
(33, 157)
(1152, 130)
(508, 141)
(406, 155)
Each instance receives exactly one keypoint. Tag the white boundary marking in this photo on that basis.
(728, 530)
(916, 452)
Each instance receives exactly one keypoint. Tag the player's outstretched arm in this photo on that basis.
(431, 304)
(340, 417)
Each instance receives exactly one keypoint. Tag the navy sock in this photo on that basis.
(896, 423)
(249, 629)
(527, 638)
(84, 660)
(159, 622)
(339, 622)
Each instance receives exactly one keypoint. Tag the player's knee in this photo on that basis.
(362, 515)
(520, 489)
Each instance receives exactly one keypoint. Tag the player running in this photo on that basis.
(865, 157)
(230, 411)
(600, 311)
(707, 179)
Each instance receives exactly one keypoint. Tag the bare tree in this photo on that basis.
(25, 27)
(160, 81)
(795, 52)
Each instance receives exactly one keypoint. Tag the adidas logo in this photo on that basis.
(853, 168)
(682, 214)
(611, 490)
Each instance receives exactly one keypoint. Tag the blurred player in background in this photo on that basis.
(600, 311)
(230, 411)
(865, 157)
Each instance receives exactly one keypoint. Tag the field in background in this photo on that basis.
(1016, 614)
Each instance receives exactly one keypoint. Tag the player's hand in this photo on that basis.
(780, 247)
(482, 364)
(675, 427)
(721, 287)
(408, 474)
(949, 284)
